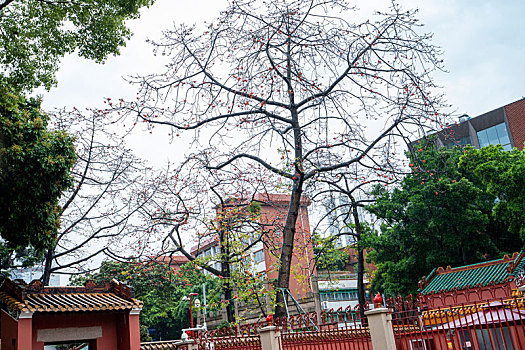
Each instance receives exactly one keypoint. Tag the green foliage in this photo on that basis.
(36, 34)
(35, 168)
(144, 334)
(161, 289)
(439, 216)
(327, 255)
(254, 209)
(503, 174)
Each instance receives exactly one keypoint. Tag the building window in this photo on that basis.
(495, 135)
(258, 256)
(497, 338)
(340, 295)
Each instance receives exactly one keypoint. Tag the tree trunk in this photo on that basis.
(283, 279)
(48, 263)
(360, 262)
(229, 300)
(463, 255)
(226, 274)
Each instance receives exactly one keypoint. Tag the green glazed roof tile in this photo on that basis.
(469, 276)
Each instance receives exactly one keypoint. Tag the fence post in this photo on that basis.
(270, 338)
(381, 330)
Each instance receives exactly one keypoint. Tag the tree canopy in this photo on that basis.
(35, 166)
(439, 215)
(103, 212)
(36, 34)
(503, 174)
(291, 87)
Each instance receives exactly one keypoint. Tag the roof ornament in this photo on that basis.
(378, 300)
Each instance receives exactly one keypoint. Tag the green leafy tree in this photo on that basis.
(327, 255)
(161, 289)
(438, 216)
(36, 34)
(503, 174)
(35, 166)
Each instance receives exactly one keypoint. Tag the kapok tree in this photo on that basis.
(104, 211)
(289, 85)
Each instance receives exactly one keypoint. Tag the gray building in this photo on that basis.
(503, 126)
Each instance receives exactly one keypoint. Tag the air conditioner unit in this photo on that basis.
(324, 305)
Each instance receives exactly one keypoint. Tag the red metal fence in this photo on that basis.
(245, 337)
(496, 324)
(490, 325)
(336, 329)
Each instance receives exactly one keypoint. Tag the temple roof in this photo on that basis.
(34, 297)
(469, 276)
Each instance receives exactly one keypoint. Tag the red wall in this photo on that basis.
(111, 337)
(303, 258)
(9, 331)
(134, 332)
(470, 295)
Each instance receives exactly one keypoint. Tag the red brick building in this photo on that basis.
(274, 209)
(264, 255)
(174, 261)
(515, 113)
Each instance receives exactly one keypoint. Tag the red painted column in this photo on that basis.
(134, 329)
(25, 331)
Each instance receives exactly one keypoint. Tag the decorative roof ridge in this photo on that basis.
(164, 344)
(517, 258)
(426, 280)
(19, 290)
(506, 259)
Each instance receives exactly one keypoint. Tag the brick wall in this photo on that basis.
(274, 209)
(516, 118)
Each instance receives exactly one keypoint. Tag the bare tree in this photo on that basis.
(218, 210)
(294, 87)
(103, 211)
(344, 192)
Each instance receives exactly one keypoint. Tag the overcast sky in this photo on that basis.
(483, 43)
